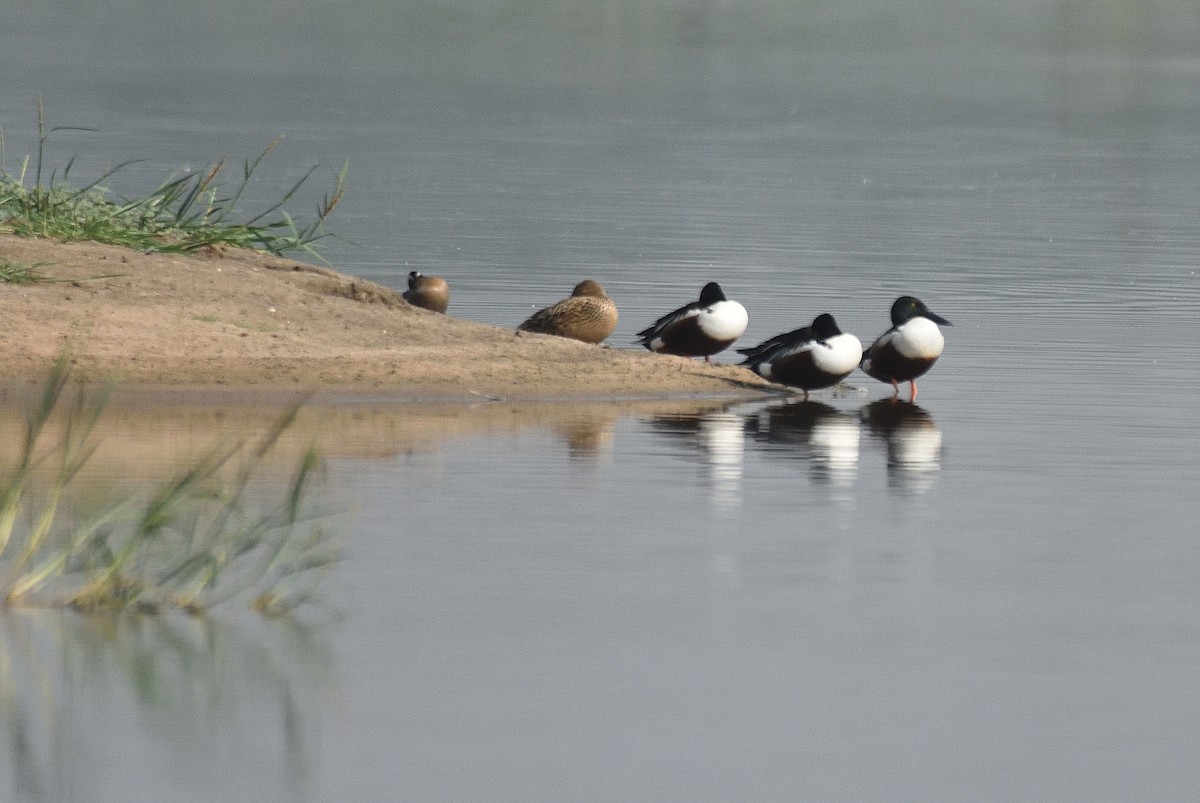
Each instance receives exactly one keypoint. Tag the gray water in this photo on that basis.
(990, 595)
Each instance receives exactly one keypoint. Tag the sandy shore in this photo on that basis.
(249, 323)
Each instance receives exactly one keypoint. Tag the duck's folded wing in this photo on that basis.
(769, 348)
(666, 321)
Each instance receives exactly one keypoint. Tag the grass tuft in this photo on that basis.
(185, 213)
(199, 539)
(20, 273)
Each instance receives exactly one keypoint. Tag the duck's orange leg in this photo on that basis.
(912, 384)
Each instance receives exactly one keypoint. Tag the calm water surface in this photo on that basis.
(991, 594)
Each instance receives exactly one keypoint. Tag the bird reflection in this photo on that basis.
(720, 435)
(588, 439)
(815, 432)
(914, 443)
(824, 438)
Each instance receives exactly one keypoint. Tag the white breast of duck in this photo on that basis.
(839, 354)
(917, 339)
(724, 320)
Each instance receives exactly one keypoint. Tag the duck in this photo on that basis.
(699, 329)
(814, 357)
(588, 314)
(909, 348)
(427, 292)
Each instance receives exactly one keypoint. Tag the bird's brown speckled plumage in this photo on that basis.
(588, 315)
(427, 292)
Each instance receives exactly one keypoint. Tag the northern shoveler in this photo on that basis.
(700, 329)
(816, 356)
(909, 348)
(588, 315)
(427, 292)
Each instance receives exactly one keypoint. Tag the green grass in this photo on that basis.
(19, 273)
(200, 538)
(185, 213)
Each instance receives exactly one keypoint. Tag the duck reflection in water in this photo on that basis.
(913, 440)
(720, 436)
(817, 433)
(589, 438)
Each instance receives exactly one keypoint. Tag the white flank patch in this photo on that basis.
(725, 320)
(764, 370)
(841, 356)
(919, 338)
